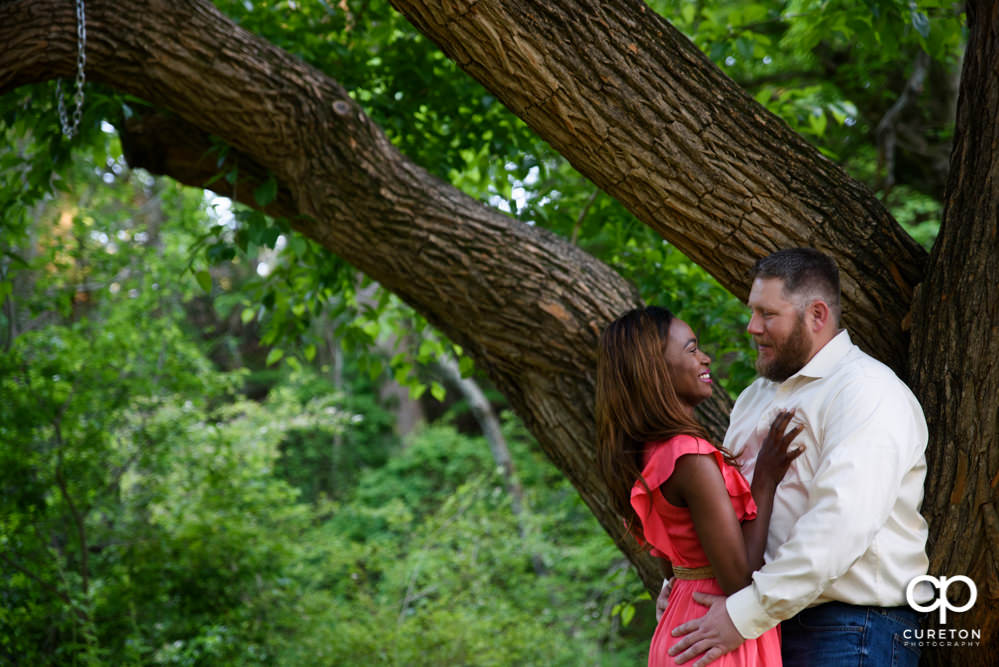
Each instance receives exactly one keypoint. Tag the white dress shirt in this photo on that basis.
(846, 524)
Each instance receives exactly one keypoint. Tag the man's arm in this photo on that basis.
(869, 441)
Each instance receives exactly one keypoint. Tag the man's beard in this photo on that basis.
(788, 357)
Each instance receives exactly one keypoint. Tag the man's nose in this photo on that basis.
(754, 327)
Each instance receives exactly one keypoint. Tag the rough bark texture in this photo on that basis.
(639, 110)
(955, 350)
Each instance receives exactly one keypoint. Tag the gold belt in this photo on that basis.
(704, 572)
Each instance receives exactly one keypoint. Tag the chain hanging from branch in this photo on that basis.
(81, 60)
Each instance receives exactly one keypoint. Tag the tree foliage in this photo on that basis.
(153, 514)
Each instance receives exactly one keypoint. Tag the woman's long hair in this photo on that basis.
(636, 402)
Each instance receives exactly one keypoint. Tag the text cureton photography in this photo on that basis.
(943, 637)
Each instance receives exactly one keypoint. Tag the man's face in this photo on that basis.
(778, 328)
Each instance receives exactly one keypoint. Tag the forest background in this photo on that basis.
(222, 444)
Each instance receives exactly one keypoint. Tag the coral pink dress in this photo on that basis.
(670, 531)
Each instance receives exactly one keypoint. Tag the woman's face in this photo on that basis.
(688, 365)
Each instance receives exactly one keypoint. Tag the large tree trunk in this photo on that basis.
(955, 346)
(640, 111)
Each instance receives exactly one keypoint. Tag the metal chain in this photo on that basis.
(81, 77)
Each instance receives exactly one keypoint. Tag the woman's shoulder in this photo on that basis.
(661, 459)
(681, 444)
(666, 452)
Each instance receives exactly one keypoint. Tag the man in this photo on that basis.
(846, 536)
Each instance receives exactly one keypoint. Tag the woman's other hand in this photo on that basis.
(662, 602)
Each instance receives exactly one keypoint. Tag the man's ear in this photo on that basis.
(818, 315)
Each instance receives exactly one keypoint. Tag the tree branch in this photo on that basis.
(486, 417)
(639, 110)
(81, 532)
(671, 160)
(163, 144)
(41, 582)
(887, 130)
(582, 215)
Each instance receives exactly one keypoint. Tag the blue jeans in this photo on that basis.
(836, 634)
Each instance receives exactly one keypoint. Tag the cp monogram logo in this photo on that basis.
(942, 602)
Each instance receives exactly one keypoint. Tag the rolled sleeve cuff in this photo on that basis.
(748, 615)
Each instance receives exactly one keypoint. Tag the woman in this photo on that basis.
(679, 493)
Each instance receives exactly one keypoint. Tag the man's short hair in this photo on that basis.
(807, 275)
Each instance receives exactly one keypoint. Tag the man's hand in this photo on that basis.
(663, 600)
(711, 636)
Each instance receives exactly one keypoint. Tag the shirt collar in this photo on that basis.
(827, 358)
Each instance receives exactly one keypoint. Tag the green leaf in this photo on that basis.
(204, 279)
(274, 356)
(247, 315)
(267, 191)
(437, 391)
(298, 245)
(817, 123)
(309, 352)
(429, 349)
(627, 614)
(268, 236)
(402, 373)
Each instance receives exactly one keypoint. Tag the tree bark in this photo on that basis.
(640, 111)
(955, 349)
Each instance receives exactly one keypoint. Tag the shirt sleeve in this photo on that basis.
(872, 433)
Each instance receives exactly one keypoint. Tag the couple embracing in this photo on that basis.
(793, 541)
